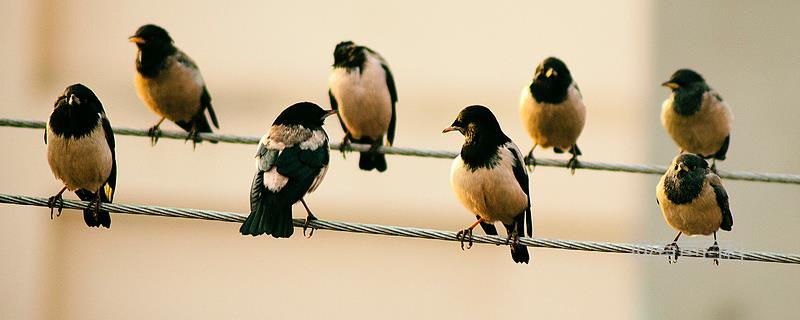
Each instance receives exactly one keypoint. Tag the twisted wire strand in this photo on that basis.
(603, 166)
(591, 246)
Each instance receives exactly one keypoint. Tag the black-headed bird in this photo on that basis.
(552, 110)
(80, 151)
(362, 90)
(696, 117)
(170, 84)
(693, 200)
(291, 161)
(490, 180)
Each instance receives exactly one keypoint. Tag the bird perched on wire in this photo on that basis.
(552, 110)
(80, 151)
(170, 84)
(693, 201)
(291, 161)
(362, 90)
(490, 180)
(696, 117)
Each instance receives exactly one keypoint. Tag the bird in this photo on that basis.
(80, 152)
(489, 179)
(696, 117)
(362, 90)
(170, 84)
(291, 161)
(552, 110)
(693, 201)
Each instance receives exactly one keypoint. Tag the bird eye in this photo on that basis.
(676, 166)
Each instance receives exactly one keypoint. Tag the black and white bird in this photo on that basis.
(362, 90)
(80, 151)
(490, 180)
(696, 117)
(170, 84)
(291, 161)
(693, 200)
(552, 110)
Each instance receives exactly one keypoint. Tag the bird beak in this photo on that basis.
(329, 113)
(551, 72)
(73, 100)
(671, 85)
(450, 128)
(682, 167)
(135, 39)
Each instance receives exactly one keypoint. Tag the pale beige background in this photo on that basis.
(258, 57)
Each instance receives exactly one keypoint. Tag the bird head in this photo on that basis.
(552, 70)
(349, 55)
(683, 78)
(78, 97)
(151, 36)
(306, 114)
(689, 165)
(476, 122)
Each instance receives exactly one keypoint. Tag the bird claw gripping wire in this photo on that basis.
(713, 252)
(154, 133)
(572, 164)
(344, 147)
(52, 202)
(675, 250)
(307, 224)
(465, 235)
(530, 161)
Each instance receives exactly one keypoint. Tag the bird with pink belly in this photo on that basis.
(696, 117)
(693, 201)
(363, 92)
(490, 180)
(552, 110)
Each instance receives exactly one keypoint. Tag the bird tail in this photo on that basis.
(519, 253)
(371, 160)
(198, 123)
(92, 219)
(267, 214)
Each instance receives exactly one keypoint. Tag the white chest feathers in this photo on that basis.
(491, 193)
(83, 163)
(363, 98)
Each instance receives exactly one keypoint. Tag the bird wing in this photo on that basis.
(111, 183)
(205, 97)
(301, 167)
(335, 106)
(722, 201)
(205, 104)
(393, 94)
(266, 157)
(522, 178)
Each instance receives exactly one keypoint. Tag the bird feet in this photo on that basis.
(713, 252)
(154, 133)
(530, 161)
(676, 251)
(193, 136)
(513, 238)
(344, 147)
(94, 206)
(307, 225)
(572, 164)
(465, 236)
(53, 201)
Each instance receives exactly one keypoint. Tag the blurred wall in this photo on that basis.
(748, 51)
(258, 57)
